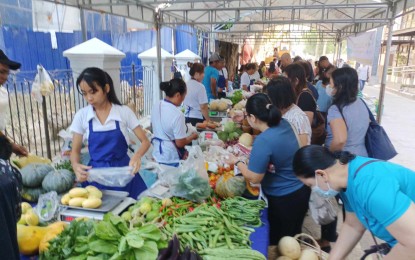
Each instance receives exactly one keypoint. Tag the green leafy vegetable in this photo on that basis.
(148, 251)
(105, 230)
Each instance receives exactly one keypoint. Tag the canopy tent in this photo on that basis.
(235, 20)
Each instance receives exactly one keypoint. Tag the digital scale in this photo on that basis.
(217, 115)
(112, 201)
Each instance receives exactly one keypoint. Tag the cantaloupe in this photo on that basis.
(289, 246)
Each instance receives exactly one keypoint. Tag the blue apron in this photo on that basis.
(109, 149)
(180, 151)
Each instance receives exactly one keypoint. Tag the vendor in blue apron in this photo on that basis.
(222, 80)
(168, 124)
(246, 78)
(106, 124)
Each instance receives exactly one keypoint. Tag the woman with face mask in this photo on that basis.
(270, 164)
(377, 195)
(348, 118)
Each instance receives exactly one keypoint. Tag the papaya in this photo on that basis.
(53, 231)
(29, 237)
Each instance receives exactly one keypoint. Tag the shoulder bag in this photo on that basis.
(318, 126)
(378, 144)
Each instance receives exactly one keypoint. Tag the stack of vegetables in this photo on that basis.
(110, 238)
(230, 133)
(88, 197)
(39, 178)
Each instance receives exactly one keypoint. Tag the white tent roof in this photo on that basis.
(152, 54)
(94, 47)
(233, 20)
(187, 54)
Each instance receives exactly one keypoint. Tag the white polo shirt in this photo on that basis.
(196, 96)
(245, 79)
(168, 124)
(126, 117)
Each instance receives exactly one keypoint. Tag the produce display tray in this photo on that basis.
(110, 199)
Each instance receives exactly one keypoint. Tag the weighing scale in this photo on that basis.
(112, 201)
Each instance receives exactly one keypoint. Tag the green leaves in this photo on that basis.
(147, 251)
(106, 231)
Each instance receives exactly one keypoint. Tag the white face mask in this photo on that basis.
(329, 91)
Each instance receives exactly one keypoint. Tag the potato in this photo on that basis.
(78, 193)
(92, 203)
(76, 202)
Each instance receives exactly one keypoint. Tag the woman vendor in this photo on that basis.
(168, 123)
(106, 124)
(196, 101)
(270, 164)
(377, 195)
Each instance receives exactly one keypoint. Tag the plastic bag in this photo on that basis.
(190, 179)
(67, 143)
(111, 176)
(47, 206)
(323, 211)
(42, 85)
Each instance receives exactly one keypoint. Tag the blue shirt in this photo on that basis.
(313, 90)
(272, 154)
(210, 73)
(381, 192)
(324, 100)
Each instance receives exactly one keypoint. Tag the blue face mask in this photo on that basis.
(330, 193)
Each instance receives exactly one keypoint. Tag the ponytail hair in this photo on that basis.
(196, 67)
(261, 107)
(173, 86)
(308, 159)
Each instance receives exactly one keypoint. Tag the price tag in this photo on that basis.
(208, 136)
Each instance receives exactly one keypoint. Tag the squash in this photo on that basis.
(92, 203)
(21, 162)
(32, 194)
(59, 181)
(229, 186)
(76, 202)
(29, 237)
(34, 173)
(78, 193)
(252, 190)
(53, 231)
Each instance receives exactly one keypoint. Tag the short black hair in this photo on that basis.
(346, 82)
(308, 159)
(280, 92)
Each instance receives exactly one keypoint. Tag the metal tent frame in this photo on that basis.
(234, 20)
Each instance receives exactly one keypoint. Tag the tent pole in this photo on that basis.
(158, 31)
(385, 67)
(83, 25)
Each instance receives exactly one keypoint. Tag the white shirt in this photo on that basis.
(224, 72)
(196, 96)
(363, 72)
(256, 76)
(126, 117)
(245, 79)
(299, 120)
(168, 125)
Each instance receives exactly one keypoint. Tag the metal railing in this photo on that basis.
(27, 119)
(403, 77)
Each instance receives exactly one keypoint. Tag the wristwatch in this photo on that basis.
(239, 161)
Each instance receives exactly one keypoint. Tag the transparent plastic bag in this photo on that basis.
(4, 106)
(323, 211)
(42, 85)
(47, 206)
(111, 176)
(191, 180)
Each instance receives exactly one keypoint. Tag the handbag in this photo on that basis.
(318, 126)
(377, 142)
